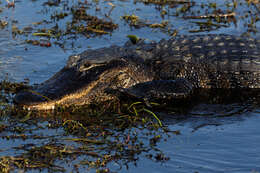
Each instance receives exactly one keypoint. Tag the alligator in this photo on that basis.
(168, 69)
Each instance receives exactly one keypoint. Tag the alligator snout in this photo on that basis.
(28, 97)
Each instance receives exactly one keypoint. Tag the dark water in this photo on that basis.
(207, 144)
(214, 138)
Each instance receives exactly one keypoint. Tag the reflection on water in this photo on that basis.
(19, 61)
(209, 143)
(231, 147)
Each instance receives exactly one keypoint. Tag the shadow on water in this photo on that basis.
(213, 136)
(216, 138)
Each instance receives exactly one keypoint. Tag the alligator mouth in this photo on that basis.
(31, 99)
(81, 86)
(44, 96)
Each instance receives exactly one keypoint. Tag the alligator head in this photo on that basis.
(84, 80)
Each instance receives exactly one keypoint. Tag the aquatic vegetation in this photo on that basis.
(163, 2)
(133, 20)
(64, 22)
(94, 136)
(3, 24)
(133, 38)
(94, 24)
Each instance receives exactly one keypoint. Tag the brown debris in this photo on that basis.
(233, 14)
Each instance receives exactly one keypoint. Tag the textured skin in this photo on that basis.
(209, 61)
(213, 61)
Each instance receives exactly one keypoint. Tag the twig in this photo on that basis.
(233, 14)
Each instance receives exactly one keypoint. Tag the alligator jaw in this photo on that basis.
(72, 86)
(41, 106)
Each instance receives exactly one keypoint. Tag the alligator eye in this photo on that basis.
(87, 64)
